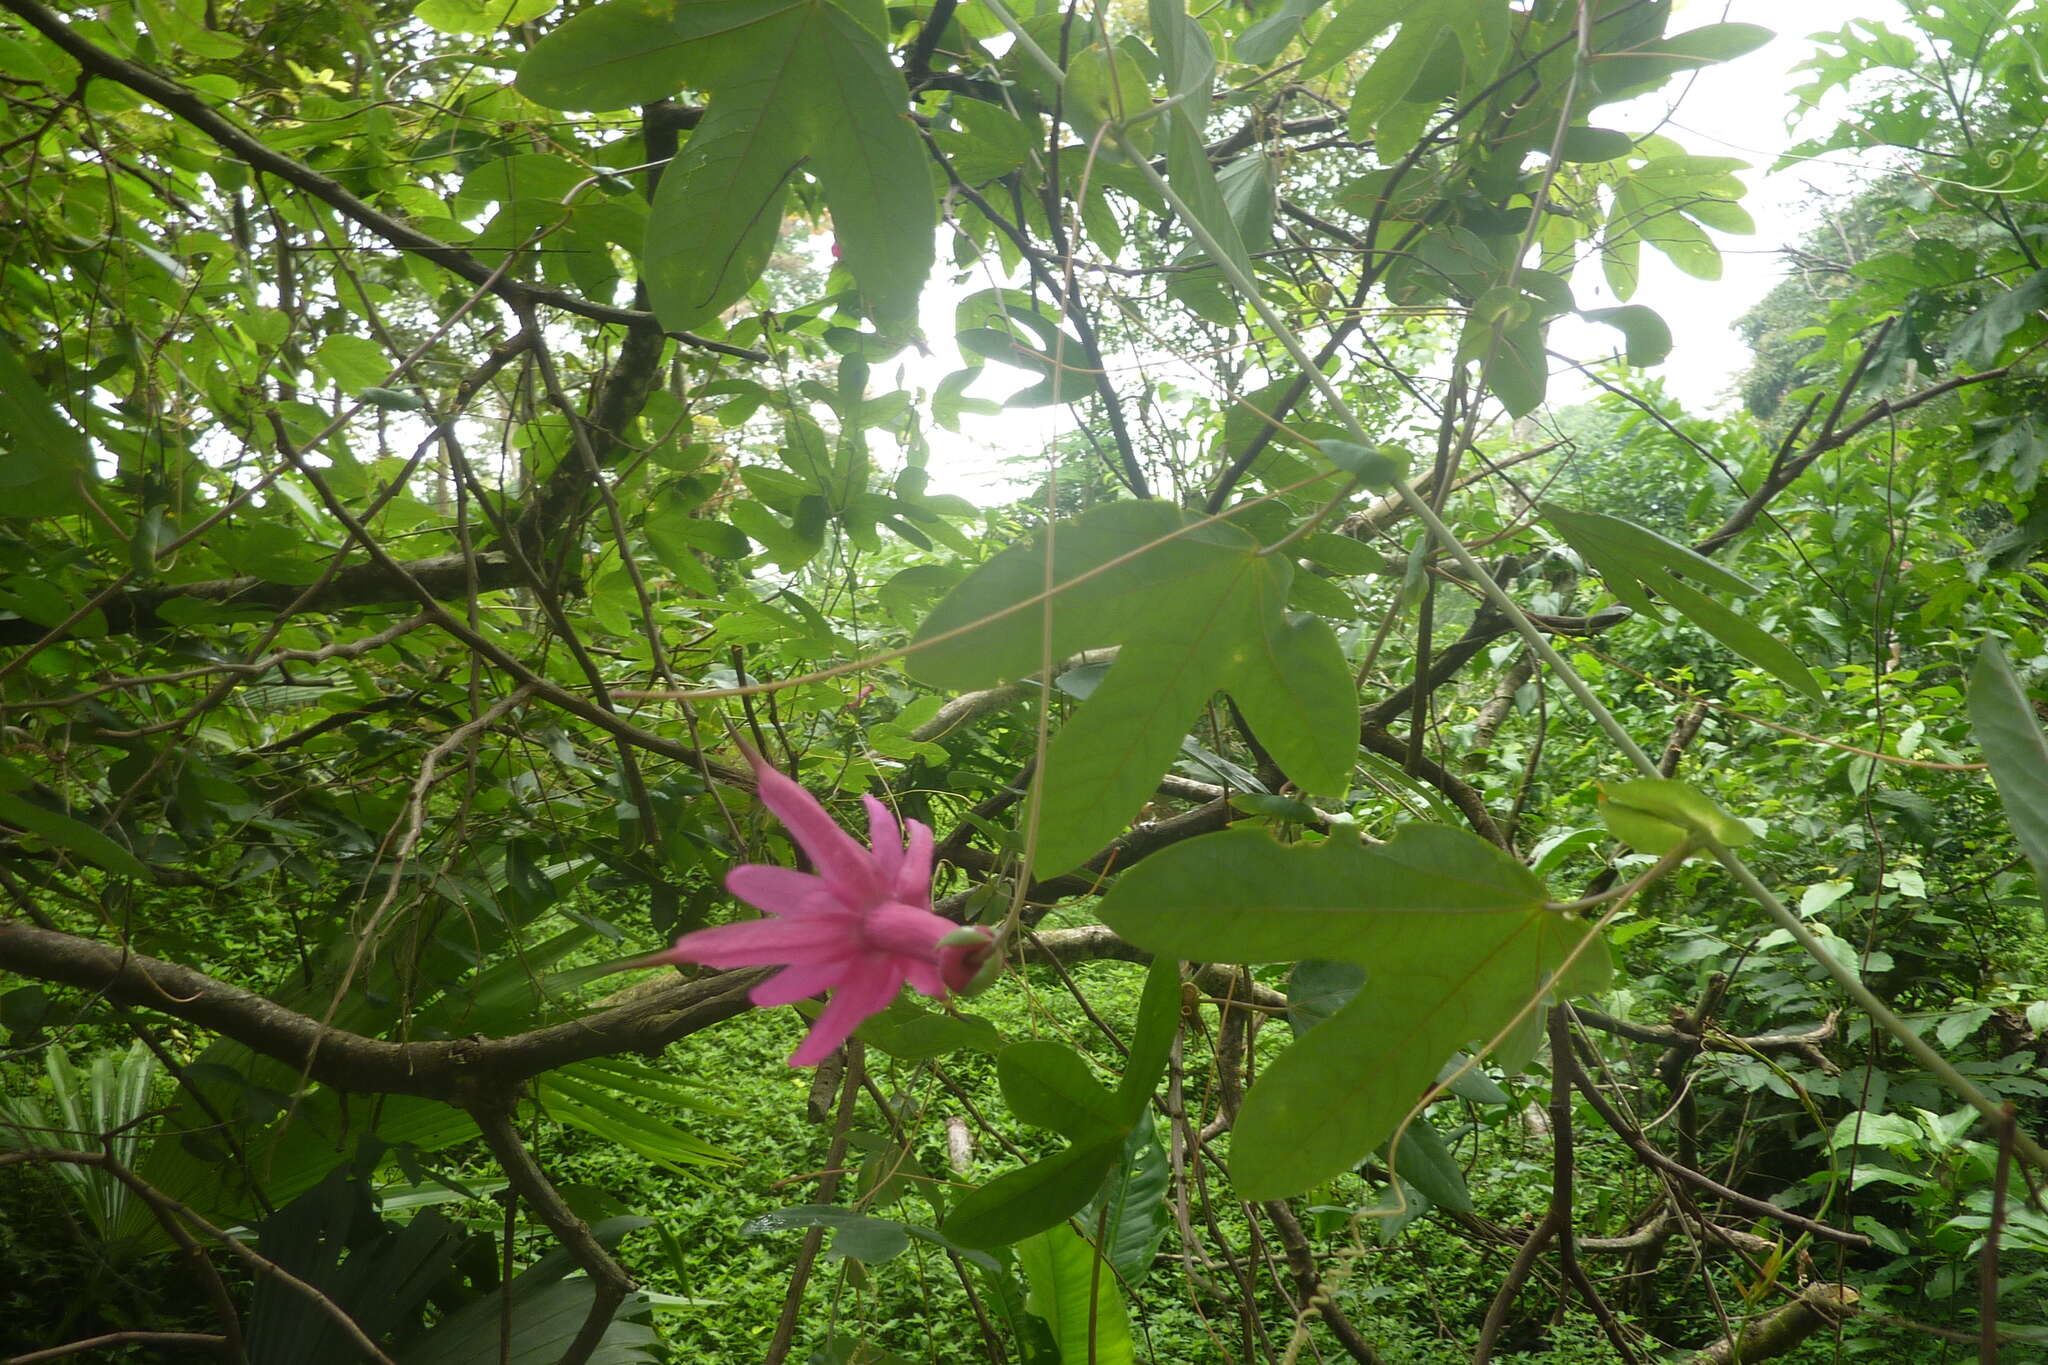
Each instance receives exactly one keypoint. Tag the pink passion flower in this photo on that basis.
(860, 927)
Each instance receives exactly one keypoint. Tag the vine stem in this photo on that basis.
(1786, 919)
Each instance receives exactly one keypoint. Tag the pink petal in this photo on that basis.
(913, 881)
(839, 858)
(886, 839)
(792, 984)
(860, 995)
(924, 977)
(811, 940)
(907, 931)
(781, 890)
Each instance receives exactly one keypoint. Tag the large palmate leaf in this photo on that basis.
(1455, 940)
(791, 84)
(1196, 608)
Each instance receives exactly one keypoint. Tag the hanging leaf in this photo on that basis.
(2004, 722)
(1196, 608)
(1454, 939)
(1075, 1291)
(1635, 562)
(1129, 1216)
(1657, 814)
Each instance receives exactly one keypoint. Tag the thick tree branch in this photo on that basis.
(440, 1069)
(609, 1282)
(447, 577)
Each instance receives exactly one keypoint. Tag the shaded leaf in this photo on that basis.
(2005, 725)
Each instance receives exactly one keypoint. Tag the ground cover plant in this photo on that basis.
(1409, 844)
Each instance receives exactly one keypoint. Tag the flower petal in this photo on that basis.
(886, 839)
(839, 858)
(782, 890)
(792, 984)
(913, 882)
(901, 930)
(811, 940)
(862, 994)
(924, 977)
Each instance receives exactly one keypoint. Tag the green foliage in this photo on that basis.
(431, 434)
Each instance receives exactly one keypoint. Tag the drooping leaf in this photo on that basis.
(1047, 1085)
(1657, 814)
(2004, 722)
(1424, 1160)
(1454, 939)
(1159, 1009)
(1196, 608)
(1128, 1217)
(1635, 562)
(1075, 1291)
(1647, 334)
(1190, 69)
(1032, 1198)
(46, 464)
(62, 831)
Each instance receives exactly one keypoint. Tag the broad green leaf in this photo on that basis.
(1373, 466)
(1196, 609)
(1129, 1216)
(1979, 337)
(1423, 1160)
(46, 462)
(1647, 334)
(1657, 814)
(1269, 37)
(1076, 1292)
(1595, 144)
(478, 16)
(911, 1034)
(792, 83)
(1047, 1085)
(1151, 1037)
(73, 836)
(1622, 552)
(627, 52)
(1351, 28)
(2003, 720)
(1752, 642)
(718, 210)
(1032, 1198)
(1636, 563)
(1648, 65)
(1452, 933)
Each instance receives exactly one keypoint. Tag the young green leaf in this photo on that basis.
(1657, 814)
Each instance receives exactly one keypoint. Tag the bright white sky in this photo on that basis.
(1737, 109)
